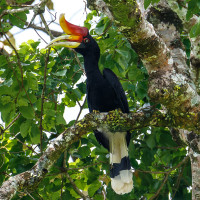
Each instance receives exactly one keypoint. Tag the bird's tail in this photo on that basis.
(120, 173)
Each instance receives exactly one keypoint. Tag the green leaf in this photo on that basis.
(84, 151)
(68, 102)
(60, 73)
(67, 195)
(32, 81)
(92, 175)
(123, 57)
(98, 197)
(34, 44)
(7, 82)
(192, 9)
(5, 99)
(24, 48)
(2, 2)
(147, 3)
(60, 119)
(124, 53)
(21, 101)
(93, 188)
(50, 112)
(135, 74)
(147, 157)
(32, 97)
(3, 60)
(166, 140)
(82, 87)
(7, 112)
(25, 128)
(27, 112)
(195, 30)
(6, 27)
(100, 150)
(35, 134)
(151, 143)
(142, 89)
(102, 25)
(18, 19)
(51, 64)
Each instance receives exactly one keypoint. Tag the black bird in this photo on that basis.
(104, 93)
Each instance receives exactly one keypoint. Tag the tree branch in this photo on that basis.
(27, 8)
(43, 97)
(114, 121)
(53, 32)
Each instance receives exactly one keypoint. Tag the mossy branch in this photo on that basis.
(114, 120)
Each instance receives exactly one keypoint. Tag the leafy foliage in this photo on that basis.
(33, 82)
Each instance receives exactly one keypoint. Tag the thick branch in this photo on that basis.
(114, 120)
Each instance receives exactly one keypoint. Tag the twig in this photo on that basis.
(53, 20)
(152, 172)
(40, 36)
(46, 26)
(43, 97)
(160, 188)
(9, 125)
(75, 187)
(30, 195)
(54, 33)
(13, 121)
(81, 108)
(178, 180)
(3, 160)
(26, 146)
(64, 167)
(172, 148)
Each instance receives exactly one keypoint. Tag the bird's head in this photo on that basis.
(77, 37)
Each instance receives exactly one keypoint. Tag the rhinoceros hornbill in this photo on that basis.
(104, 93)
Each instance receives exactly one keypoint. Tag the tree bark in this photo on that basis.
(195, 165)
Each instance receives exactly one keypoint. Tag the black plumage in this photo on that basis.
(104, 93)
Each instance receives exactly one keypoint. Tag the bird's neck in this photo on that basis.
(91, 65)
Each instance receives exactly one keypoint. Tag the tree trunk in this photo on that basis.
(195, 166)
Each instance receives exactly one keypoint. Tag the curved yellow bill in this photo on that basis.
(74, 35)
(64, 41)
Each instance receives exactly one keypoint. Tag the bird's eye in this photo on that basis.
(86, 40)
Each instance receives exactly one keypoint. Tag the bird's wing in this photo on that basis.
(114, 82)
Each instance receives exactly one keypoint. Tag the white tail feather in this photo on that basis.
(123, 182)
(121, 187)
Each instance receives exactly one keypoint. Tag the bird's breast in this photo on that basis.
(101, 96)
